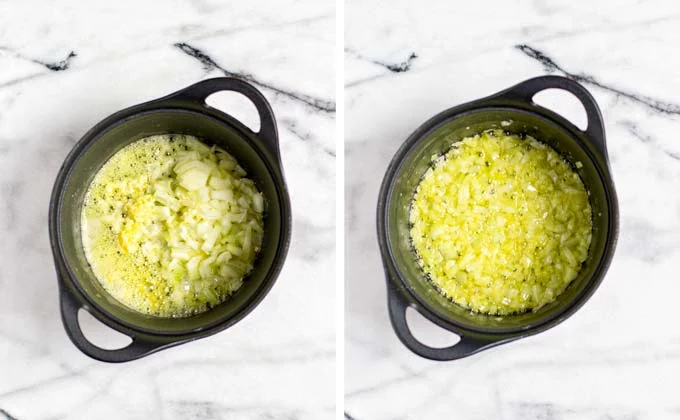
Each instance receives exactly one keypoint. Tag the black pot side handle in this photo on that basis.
(198, 92)
(138, 348)
(529, 88)
(467, 345)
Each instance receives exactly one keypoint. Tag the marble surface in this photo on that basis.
(619, 356)
(64, 67)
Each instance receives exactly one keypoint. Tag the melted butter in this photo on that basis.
(131, 239)
(117, 189)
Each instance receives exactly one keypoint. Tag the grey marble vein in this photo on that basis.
(22, 79)
(401, 67)
(551, 65)
(633, 129)
(305, 135)
(6, 415)
(60, 65)
(209, 64)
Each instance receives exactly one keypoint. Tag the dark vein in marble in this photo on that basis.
(217, 33)
(349, 417)
(59, 65)
(364, 80)
(210, 64)
(22, 79)
(54, 66)
(7, 415)
(306, 137)
(632, 128)
(551, 65)
(402, 67)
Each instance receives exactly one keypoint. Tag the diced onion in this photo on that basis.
(175, 225)
(501, 224)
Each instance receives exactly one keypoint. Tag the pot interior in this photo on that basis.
(436, 142)
(106, 144)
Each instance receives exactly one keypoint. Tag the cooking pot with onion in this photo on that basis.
(407, 284)
(182, 112)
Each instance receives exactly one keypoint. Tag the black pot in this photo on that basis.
(183, 112)
(407, 285)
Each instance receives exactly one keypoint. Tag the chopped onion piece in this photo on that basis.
(171, 226)
(501, 224)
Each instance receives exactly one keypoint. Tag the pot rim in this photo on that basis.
(65, 273)
(403, 287)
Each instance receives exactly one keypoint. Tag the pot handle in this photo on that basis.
(467, 345)
(139, 347)
(198, 92)
(529, 88)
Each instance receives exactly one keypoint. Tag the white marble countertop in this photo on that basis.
(619, 356)
(66, 66)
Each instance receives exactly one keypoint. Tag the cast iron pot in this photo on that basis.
(183, 112)
(407, 285)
